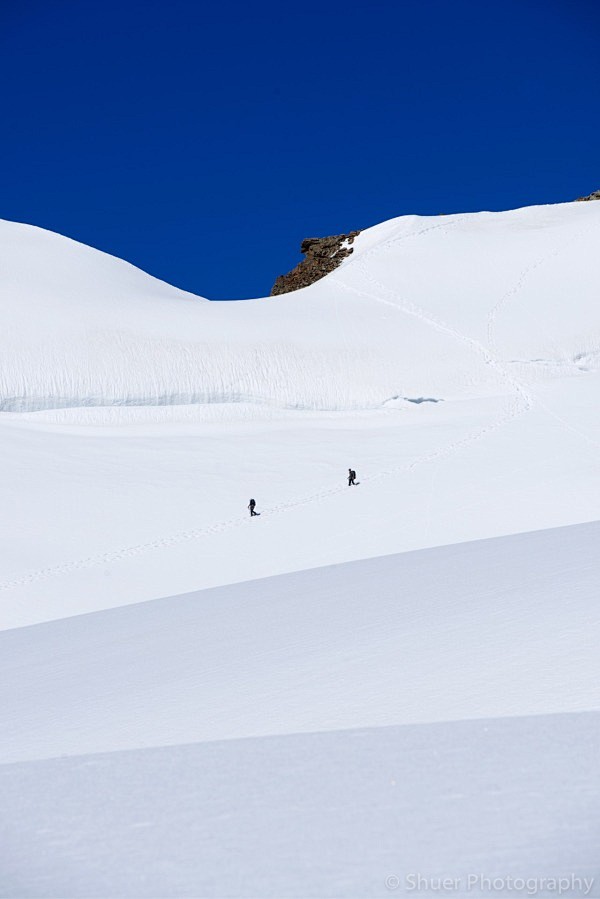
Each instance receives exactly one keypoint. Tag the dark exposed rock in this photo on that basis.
(594, 196)
(323, 255)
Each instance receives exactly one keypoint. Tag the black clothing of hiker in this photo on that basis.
(251, 506)
(351, 478)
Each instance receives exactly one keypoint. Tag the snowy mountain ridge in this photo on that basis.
(81, 328)
(157, 412)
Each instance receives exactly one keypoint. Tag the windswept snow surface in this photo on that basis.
(339, 695)
(305, 734)
(495, 628)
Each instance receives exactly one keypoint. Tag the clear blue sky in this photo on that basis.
(202, 141)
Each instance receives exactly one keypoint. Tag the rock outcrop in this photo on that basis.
(323, 255)
(594, 196)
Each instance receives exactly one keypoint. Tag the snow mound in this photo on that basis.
(305, 735)
(477, 630)
(80, 328)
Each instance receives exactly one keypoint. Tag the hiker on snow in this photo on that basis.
(251, 505)
(351, 478)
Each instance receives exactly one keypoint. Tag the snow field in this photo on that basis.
(357, 687)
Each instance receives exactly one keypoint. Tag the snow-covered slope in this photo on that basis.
(312, 731)
(478, 630)
(305, 728)
(444, 307)
(452, 361)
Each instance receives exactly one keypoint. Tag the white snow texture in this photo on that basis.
(388, 689)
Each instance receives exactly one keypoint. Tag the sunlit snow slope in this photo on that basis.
(430, 706)
(443, 307)
(160, 414)
(326, 733)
